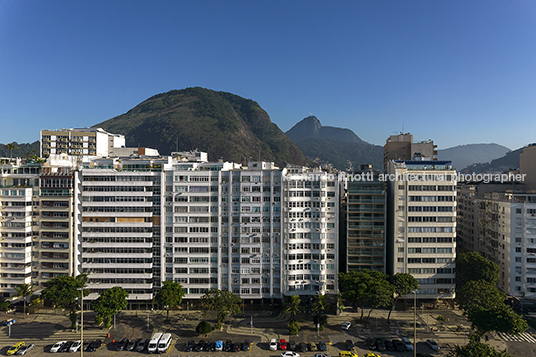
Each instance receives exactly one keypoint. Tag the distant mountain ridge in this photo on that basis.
(338, 146)
(466, 155)
(502, 164)
(222, 124)
(311, 127)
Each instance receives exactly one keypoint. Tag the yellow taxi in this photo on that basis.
(13, 349)
(347, 354)
(370, 354)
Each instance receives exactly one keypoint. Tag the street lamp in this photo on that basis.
(82, 322)
(415, 323)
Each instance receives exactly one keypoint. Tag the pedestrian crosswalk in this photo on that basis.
(522, 337)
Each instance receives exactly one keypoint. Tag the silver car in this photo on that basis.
(25, 349)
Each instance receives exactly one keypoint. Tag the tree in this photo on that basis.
(203, 328)
(11, 147)
(476, 349)
(24, 290)
(63, 291)
(404, 284)
(473, 266)
(110, 302)
(366, 287)
(320, 305)
(170, 295)
(484, 306)
(224, 303)
(293, 307)
(293, 327)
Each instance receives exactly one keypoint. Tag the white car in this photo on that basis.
(407, 343)
(433, 345)
(273, 345)
(346, 326)
(57, 346)
(75, 346)
(289, 354)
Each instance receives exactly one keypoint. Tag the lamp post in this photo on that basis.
(415, 323)
(81, 322)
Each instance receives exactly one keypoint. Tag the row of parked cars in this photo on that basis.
(228, 346)
(20, 348)
(74, 346)
(283, 345)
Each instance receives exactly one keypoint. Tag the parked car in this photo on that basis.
(346, 326)
(15, 348)
(120, 346)
(94, 345)
(399, 345)
(218, 346)
(56, 347)
(199, 346)
(189, 346)
(289, 354)
(75, 346)
(65, 346)
(130, 345)
(142, 344)
(380, 345)
(389, 345)
(235, 347)
(322, 346)
(228, 345)
(349, 345)
(282, 344)
(291, 345)
(208, 347)
(370, 344)
(273, 344)
(302, 347)
(246, 345)
(86, 344)
(312, 347)
(347, 354)
(25, 348)
(433, 345)
(407, 343)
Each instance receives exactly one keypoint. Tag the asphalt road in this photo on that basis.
(49, 326)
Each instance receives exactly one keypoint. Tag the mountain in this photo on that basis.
(20, 150)
(465, 155)
(222, 124)
(502, 164)
(340, 147)
(311, 127)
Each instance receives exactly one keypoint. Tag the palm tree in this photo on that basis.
(11, 147)
(24, 290)
(293, 307)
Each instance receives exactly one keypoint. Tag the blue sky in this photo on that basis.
(457, 72)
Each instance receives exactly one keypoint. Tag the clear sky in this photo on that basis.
(457, 72)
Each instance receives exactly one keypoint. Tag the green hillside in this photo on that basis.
(223, 124)
(23, 150)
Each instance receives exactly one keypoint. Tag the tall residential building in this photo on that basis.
(18, 193)
(421, 220)
(364, 246)
(81, 142)
(402, 147)
(311, 232)
(118, 223)
(502, 228)
(527, 166)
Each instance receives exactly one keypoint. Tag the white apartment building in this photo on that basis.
(18, 192)
(118, 225)
(311, 232)
(422, 225)
(81, 142)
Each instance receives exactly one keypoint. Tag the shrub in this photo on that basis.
(203, 328)
(293, 327)
(441, 318)
(98, 319)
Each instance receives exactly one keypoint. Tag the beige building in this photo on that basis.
(402, 147)
(527, 166)
(80, 142)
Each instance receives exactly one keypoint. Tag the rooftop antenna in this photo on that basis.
(402, 127)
